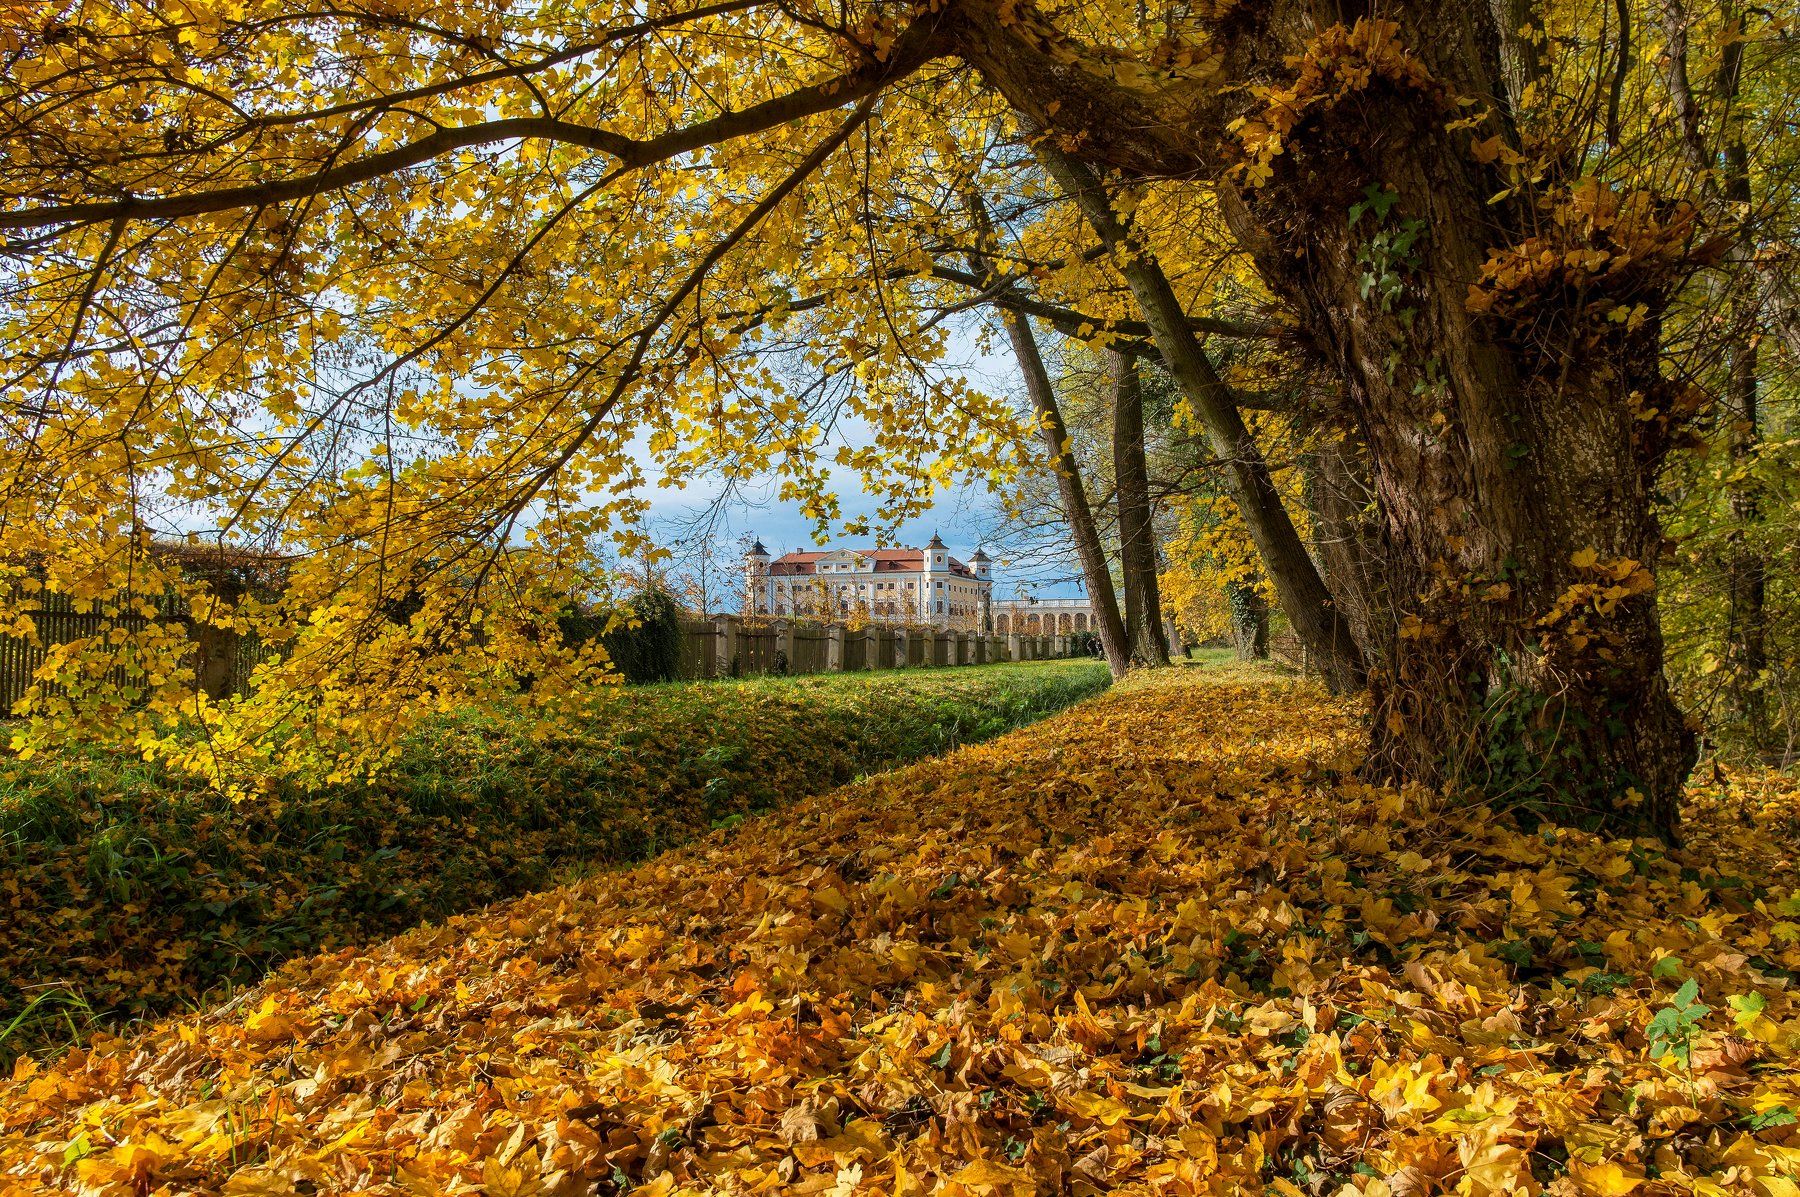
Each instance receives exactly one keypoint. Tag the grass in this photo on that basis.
(125, 891)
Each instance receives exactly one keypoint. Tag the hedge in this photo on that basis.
(646, 649)
(125, 891)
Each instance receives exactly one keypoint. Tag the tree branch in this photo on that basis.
(917, 45)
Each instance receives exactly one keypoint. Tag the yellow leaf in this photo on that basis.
(1103, 1110)
(987, 1174)
(1608, 1179)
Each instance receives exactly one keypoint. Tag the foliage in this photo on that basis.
(642, 638)
(125, 889)
(1694, 601)
(1131, 949)
(429, 298)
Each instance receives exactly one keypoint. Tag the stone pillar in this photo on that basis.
(900, 657)
(784, 644)
(727, 641)
(834, 648)
(871, 647)
(1012, 647)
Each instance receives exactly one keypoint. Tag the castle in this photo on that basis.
(904, 586)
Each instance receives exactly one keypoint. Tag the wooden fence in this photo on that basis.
(726, 646)
(222, 660)
(722, 646)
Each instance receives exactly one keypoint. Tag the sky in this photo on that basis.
(965, 517)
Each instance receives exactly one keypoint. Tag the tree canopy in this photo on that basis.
(415, 300)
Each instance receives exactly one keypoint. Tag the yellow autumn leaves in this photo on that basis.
(1160, 944)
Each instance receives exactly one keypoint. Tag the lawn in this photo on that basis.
(124, 891)
(1162, 943)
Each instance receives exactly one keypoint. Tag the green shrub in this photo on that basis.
(647, 649)
(124, 891)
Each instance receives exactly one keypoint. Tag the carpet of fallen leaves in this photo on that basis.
(127, 891)
(1159, 944)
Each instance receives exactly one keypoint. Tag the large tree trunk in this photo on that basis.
(1304, 599)
(1514, 425)
(1073, 492)
(1137, 537)
(1514, 433)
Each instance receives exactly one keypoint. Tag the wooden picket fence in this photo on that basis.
(722, 646)
(223, 661)
(727, 646)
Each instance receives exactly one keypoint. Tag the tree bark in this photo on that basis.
(1137, 536)
(1249, 621)
(1076, 508)
(1304, 599)
(1347, 539)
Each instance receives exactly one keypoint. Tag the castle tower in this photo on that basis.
(984, 578)
(757, 599)
(936, 567)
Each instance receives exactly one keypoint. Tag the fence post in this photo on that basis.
(727, 626)
(834, 648)
(784, 643)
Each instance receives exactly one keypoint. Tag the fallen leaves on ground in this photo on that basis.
(1159, 944)
(125, 890)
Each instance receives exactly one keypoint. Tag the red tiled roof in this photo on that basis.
(886, 561)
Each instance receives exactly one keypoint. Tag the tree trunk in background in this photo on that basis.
(1746, 571)
(1137, 538)
(1076, 508)
(1249, 621)
(1304, 599)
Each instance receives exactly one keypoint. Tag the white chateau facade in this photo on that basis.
(905, 585)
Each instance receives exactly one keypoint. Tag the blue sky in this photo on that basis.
(965, 517)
